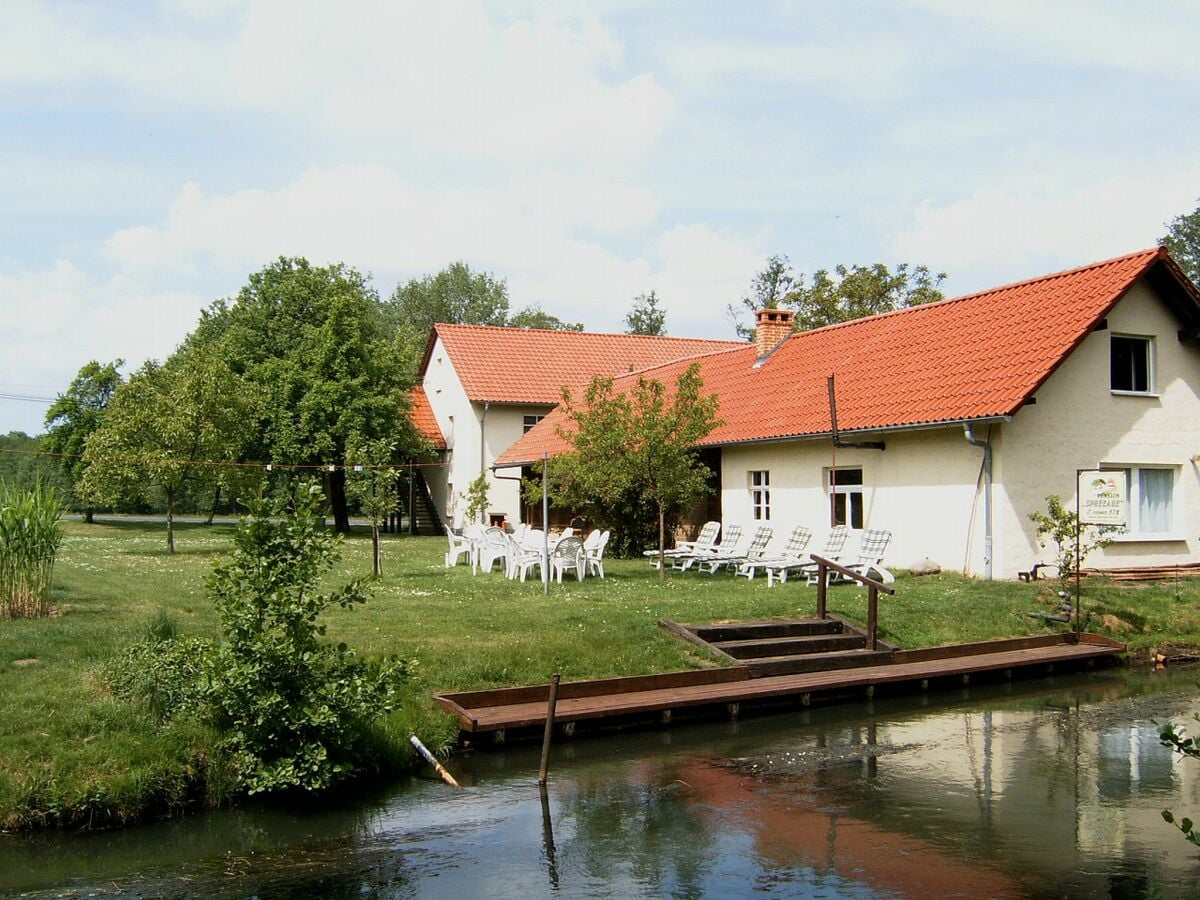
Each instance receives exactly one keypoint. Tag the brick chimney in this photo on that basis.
(770, 327)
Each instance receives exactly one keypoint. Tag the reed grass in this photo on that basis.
(30, 535)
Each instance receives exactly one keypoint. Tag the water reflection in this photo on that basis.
(1047, 788)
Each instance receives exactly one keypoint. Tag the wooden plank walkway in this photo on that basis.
(498, 711)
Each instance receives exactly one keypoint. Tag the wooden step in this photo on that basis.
(792, 645)
(770, 666)
(743, 631)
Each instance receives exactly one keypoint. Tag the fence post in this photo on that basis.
(822, 579)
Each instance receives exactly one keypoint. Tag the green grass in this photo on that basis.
(70, 754)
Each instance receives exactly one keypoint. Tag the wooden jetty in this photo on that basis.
(514, 713)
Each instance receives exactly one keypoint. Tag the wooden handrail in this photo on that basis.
(873, 589)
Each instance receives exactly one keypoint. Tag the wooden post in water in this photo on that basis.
(544, 770)
(872, 615)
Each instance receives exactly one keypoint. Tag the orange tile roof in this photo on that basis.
(526, 365)
(423, 419)
(974, 357)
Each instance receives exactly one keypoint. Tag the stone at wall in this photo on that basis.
(925, 567)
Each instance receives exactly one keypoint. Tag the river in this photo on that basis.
(1050, 787)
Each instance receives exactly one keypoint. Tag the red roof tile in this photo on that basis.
(423, 419)
(974, 357)
(525, 365)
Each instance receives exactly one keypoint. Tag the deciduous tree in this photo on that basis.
(1183, 240)
(646, 316)
(641, 441)
(168, 427)
(76, 414)
(845, 294)
(317, 343)
(373, 484)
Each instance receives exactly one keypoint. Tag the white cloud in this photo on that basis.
(57, 319)
(441, 76)
(864, 68)
(1019, 227)
(538, 234)
(1101, 33)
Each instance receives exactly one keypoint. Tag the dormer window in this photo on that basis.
(1132, 364)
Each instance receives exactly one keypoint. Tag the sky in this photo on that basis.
(155, 154)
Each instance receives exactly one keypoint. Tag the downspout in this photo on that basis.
(483, 447)
(483, 437)
(987, 495)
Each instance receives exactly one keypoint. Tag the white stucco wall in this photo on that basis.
(926, 487)
(1078, 422)
(922, 488)
(464, 425)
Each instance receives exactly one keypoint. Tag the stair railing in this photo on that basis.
(824, 567)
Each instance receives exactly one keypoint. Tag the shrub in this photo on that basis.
(295, 710)
(30, 535)
(1062, 525)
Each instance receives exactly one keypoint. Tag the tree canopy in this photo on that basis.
(846, 293)
(316, 343)
(635, 449)
(168, 427)
(458, 296)
(76, 414)
(1183, 240)
(646, 316)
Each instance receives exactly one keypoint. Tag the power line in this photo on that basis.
(26, 399)
(229, 464)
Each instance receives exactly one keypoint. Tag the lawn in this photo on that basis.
(69, 751)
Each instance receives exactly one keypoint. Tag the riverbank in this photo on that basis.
(72, 755)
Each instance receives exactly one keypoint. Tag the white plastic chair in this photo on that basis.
(568, 554)
(459, 546)
(594, 556)
(493, 548)
(474, 534)
(755, 550)
(870, 557)
(730, 536)
(792, 557)
(525, 554)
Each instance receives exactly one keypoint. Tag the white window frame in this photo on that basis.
(1151, 360)
(1133, 487)
(527, 425)
(760, 494)
(849, 491)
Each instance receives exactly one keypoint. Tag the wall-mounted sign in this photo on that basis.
(1102, 497)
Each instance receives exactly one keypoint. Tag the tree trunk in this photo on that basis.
(216, 502)
(335, 491)
(88, 517)
(170, 520)
(376, 555)
(662, 568)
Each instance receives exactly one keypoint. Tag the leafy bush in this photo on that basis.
(294, 709)
(1062, 525)
(30, 535)
(167, 675)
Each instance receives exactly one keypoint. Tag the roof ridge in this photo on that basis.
(1012, 285)
(688, 360)
(570, 331)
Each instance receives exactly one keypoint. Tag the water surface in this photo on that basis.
(1051, 787)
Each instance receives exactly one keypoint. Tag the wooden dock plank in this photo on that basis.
(527, 714)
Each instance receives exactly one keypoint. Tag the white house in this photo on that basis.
(485, 386)
(956, 419)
